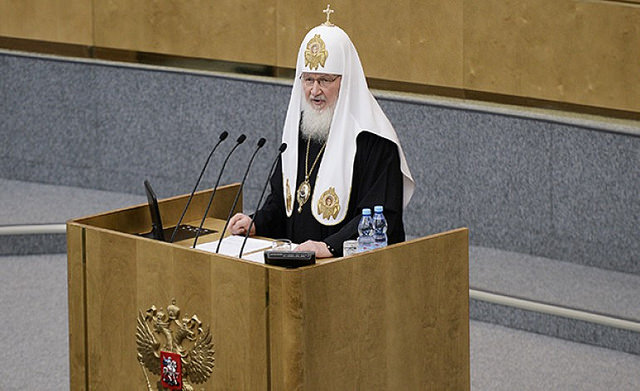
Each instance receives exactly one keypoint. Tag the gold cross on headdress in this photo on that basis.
(328, 11)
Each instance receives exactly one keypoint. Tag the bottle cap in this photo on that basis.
(366, 212)
(378, 208)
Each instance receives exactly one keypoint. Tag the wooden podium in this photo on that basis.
(390, 319)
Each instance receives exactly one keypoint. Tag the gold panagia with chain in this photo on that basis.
(304, 190)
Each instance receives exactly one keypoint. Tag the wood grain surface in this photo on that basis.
(581, 52)
(394, 318)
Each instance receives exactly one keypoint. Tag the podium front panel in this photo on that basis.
(391, 319)
(396, 318)
(126, 275)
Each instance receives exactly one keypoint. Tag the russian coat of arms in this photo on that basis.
(175, 349)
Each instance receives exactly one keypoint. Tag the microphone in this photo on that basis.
(223, 136)
(235, 201)
(239, 141)
(282, 148)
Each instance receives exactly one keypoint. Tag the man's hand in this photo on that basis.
(320, 248)
(239, 224)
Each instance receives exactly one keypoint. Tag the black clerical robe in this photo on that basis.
(377, 180)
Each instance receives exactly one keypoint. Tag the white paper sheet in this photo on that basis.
(231, 246)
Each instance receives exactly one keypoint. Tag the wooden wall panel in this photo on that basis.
(384, 48)
(226, 30)
(489, 59)
(68, 21)
(582, 52)
(426, 47)
(568, 51)
(609, 48)
(436, 51)
(293, 22)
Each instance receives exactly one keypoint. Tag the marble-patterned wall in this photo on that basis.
(531, 185)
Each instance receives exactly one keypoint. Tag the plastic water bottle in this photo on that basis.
(365, 231)
(379, 228)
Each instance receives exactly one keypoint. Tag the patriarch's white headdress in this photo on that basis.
(328, 49)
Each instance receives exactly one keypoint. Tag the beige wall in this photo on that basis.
(240, 31)
(563, 50)
(572, 51)
(68, 21)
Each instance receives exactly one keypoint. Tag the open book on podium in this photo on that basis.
(146, 314)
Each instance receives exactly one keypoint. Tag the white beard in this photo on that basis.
(316, 124)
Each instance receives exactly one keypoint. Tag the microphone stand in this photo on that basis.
(239, 141)
(282, 148)
(175, 230)
(235, 201)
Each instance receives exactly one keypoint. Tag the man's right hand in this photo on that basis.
(239, 224)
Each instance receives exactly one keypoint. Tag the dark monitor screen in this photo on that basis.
(157, 231)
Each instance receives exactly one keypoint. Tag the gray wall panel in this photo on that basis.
(596, 198)
(276, 99)
(171, 121)
(428, 140)
(506, 181)
(48, 116)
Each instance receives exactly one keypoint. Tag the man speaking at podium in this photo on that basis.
(343, 155)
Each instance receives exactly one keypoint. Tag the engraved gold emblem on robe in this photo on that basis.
(289, 197)
(329, 204)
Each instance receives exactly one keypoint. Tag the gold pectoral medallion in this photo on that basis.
(304, 190)
(303, 193)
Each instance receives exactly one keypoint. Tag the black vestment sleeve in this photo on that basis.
(377, 180)
(270, 220)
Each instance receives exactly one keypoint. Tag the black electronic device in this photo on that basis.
(158, 232)
(289, 259)
(156, 222)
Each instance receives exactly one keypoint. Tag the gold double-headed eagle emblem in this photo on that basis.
(159, 332)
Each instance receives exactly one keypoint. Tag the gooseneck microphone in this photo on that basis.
(235, 201)
(282, 148)
(223, 136)
(239, 141)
